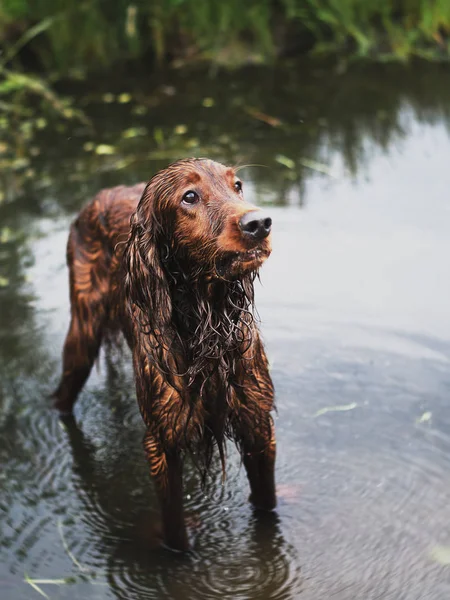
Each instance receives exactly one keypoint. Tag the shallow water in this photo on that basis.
(355, 307)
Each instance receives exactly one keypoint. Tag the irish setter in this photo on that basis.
(171, 264)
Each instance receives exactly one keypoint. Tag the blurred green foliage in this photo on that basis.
(97, 33)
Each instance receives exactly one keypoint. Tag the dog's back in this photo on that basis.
(106, 219)
(94, 254)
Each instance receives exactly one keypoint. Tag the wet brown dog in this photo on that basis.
(171, 264)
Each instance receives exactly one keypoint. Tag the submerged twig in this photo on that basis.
(35, 587)
(67, 549)
(341, 408)
(34, 584)
(260, 116)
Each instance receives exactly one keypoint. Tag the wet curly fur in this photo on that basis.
(176, 278)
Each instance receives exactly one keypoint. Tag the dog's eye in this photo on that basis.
(191, 197)
(238, 187)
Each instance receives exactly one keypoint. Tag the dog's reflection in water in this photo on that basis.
(131, 546)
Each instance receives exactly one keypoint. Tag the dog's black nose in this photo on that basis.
(255, 224)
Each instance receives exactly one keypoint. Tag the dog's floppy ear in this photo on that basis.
(146, 285)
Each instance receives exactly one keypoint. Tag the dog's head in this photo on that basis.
(195, 210)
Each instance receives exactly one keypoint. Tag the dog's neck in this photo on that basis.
(212, 320)
(214, 305)
(197, 294)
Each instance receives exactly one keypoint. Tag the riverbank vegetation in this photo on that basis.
(49, 47)
(79, 35)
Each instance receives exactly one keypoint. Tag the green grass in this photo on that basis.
(95, 33)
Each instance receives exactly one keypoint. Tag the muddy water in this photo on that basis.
(355, 311)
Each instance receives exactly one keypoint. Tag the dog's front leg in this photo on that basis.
(166, 470)
(259, 461)
(255, 429)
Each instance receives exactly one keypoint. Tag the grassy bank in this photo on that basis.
(43, 41)
(81, 34)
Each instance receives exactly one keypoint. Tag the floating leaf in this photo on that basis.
(5, 235)
(441, 554)
(133, 132)
(341, 408)
(425, 418)
(208, 102)
(123, 163)
(124, 98)
(158, 136)
(139, 110)
(192, 143)
(26, 127)
(20, 163)
(224, 139)
(108, 98)
(168, 90)
(285, 161)
(105, 149)
(316, 166)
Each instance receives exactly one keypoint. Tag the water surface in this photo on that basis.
(355, 311)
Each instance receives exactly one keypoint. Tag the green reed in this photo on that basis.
(98, 33)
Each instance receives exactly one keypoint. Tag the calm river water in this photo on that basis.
(355, 311)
